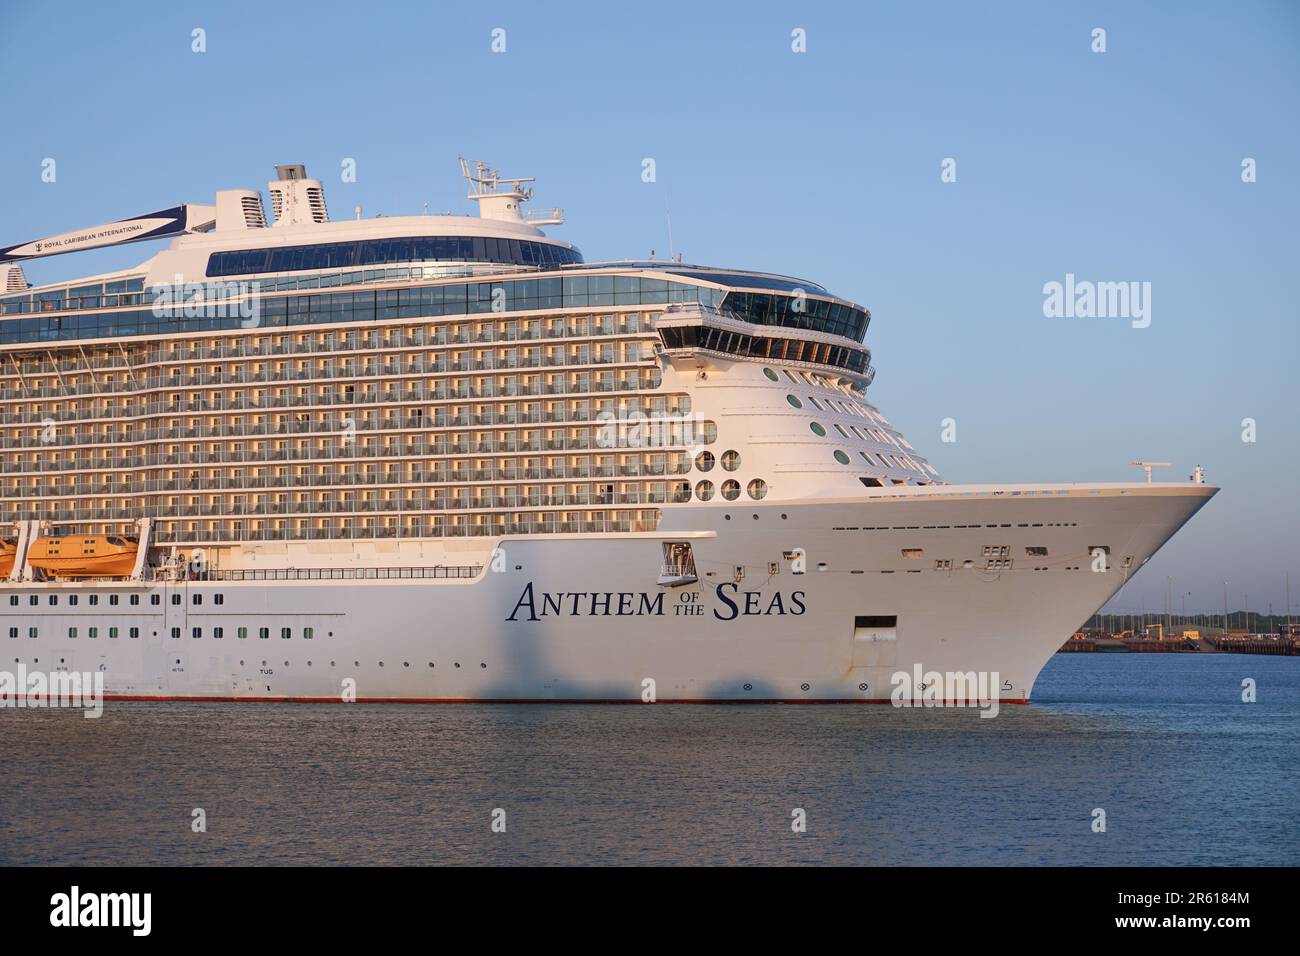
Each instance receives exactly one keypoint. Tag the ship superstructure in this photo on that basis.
(355, 434)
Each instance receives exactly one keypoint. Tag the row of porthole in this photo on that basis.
(819, 430)
(828, 405)
(757, 489)
(456, 665)
(37, 660)
(730, 460)
(93, 599)
(840, 456)
(92, 632)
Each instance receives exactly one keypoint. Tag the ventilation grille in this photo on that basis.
(316, 202)
(15, 280)
(254, 215)
(277, 204)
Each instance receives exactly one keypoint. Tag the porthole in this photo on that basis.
(817, 429)
(842, 458)
(757, 489)
(704, 461)
(704, 490)
(730, 460)
(794, 401)
(731, 489)
(770, 374)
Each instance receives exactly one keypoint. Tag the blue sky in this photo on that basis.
(1115, 166)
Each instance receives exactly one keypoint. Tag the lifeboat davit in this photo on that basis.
(84, 556)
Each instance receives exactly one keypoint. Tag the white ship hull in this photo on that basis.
(443, 458)
(582, 618)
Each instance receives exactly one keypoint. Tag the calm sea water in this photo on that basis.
(1186, 773)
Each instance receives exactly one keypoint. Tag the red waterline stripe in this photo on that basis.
(523, 700)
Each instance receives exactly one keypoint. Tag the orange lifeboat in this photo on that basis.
(8, 551)
(84, 556)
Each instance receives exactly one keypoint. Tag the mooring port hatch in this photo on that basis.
(875, 622)
(875, 640)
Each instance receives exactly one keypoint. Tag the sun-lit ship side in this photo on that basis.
(444, 458)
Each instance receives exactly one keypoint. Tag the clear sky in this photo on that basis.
(1117, 166)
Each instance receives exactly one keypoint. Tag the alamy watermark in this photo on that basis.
(635, 429)
(922, 688)
(26, 689)
(126, 910)
(1084, 299)
(208, 300)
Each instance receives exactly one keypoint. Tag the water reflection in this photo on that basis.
(1186, 773)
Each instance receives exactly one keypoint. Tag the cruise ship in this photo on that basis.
(446, 458)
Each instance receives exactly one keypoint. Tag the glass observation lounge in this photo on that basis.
(96, 311)
(371, 252)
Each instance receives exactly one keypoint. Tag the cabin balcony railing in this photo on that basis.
(244, 349)
(318, 401)
(236, 508)
(426, 526)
